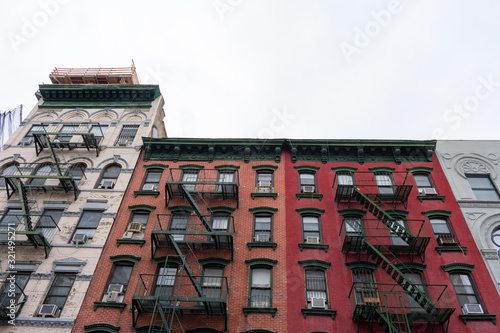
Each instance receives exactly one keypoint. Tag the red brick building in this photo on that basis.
(279, 235)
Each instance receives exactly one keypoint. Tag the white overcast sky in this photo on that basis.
(322, 69)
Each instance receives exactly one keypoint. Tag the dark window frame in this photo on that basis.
(262, 231)
(473, 285)
(109, 177)
(428, 176)
(491, 189)
(81, 220)
(112, 279)
(319, 232)
(12, 166)
(57, 294)
(257, 180)
(437, 235)
(126, 138)
(253, 290)
(302, 183)
(146, 181)
(306, 284)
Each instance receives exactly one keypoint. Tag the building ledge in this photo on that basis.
(262, 244)
(430, 197)
(155, 193)
(309, 196)
(478, 204)
(265, 195)
(42, 322)
(272, 311)
(440, 249)
(121, 306)
(481, 317)
(120, 241)
(321, 312)
(303, 246)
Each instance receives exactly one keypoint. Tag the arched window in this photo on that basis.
(8, 170)
(154, 132)
(42, 170)
(77, 172)
(110, 176)
(495, 237)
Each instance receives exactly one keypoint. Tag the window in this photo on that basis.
(264, 182)
(443, 231)
(495, 237)
(29, 138)
(6, 297)
(483, 188)
(190, 175)
(226, 176)
(179, 222)
(11, 219)
(118, 282)
(42, 170)
(66, 129)
(98, 131)
(59, 290)
(385, 183)
(220, 222)
(8, 170)
(316, 293)
(77, 171)
(395, 239)
(152, 180)
(212, 281)
(418, 280)
(138, 221)
(262, 231)
(345, 178)
(307, 182)
(311, 229)
(127, 135)
(165, 281)
(353, 226)
(364, 285)
(260, 287)
(465, 290)
(110, 176)
(424, 183)
(48, 222)
(89, 221)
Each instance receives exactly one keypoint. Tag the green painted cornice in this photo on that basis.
(310, 168)
(411, 266)
(269, 210)
(125, 257)
(310, 210)
(420, 169)
(155, 166)
(458, 266)
(171, 259)
(221, 209)
(141, 207)
(382, 169)
(214, 261)
(98, 95)
(352, 211)
(264, 167)
(181, 208)
(315, 263)
(191, 167)
(436, 212)
(101, 327)
(397, 212)
(344, 169)
(261, 261)
(227, 167)
(361, 264)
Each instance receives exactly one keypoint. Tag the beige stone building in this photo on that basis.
(64, 172)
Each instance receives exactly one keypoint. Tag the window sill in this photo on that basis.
(321, 312)
(155, 193)
(430, 197)
(266, 195)
(482, 316)
(309, 196)
(262, 244)
(120, 241)
(272, 311)
(440, 249)
(121, 306)
(303, 246)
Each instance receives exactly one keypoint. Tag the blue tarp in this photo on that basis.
(9, 121)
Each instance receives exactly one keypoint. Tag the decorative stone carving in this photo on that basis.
(473, 166)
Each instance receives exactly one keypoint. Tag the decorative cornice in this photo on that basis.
(45, 322)
(361, 264)
(344, 169)
(310, 168)
(227, 167)
(214, 261)
(181, 208)
(264, 167)
(171, 259)
(397, 212)
(314, 263)
(420, 169)
(269, 210)
(221, 209)
(458, 266)
(382, 169)
(191, 167)
(101, 327)
(142, 207)
(155, 166)
(125, 257)
(310, 210)
(261, 261)
(352, 211)
(411, 266)
(436, 212)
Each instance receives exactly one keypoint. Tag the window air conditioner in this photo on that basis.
(107, 184)
(149, 187)
(313, 240)
(135, 227)
(124, 142)
(318, 302)
(264, 186)
(429, 191)
(262, 238)
(472, 308)
(115, 287)
(447, 240)
(308, 189)
(48, 310)
(80, 238)
(26, 141)
(112, 296)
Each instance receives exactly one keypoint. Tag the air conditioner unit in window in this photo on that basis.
(128, 235)
(447, 240)
(318, 302)
(80, 238)
(26, 141)
(262, 238)
(472, 308)
(48, 310)
(112, 296)
(313, 240)
(107, 184)
(124, 142)
(211, 283)
(135, 227)
(149, 187)
(308, 189)
(429, 191)
(115, 287)
(263, 189)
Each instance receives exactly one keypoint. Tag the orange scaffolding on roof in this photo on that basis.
(117, 75)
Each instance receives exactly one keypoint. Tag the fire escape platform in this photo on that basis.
(61, 140)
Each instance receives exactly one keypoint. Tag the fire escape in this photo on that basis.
(30, 228)
(395, 307)
(182, 287)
